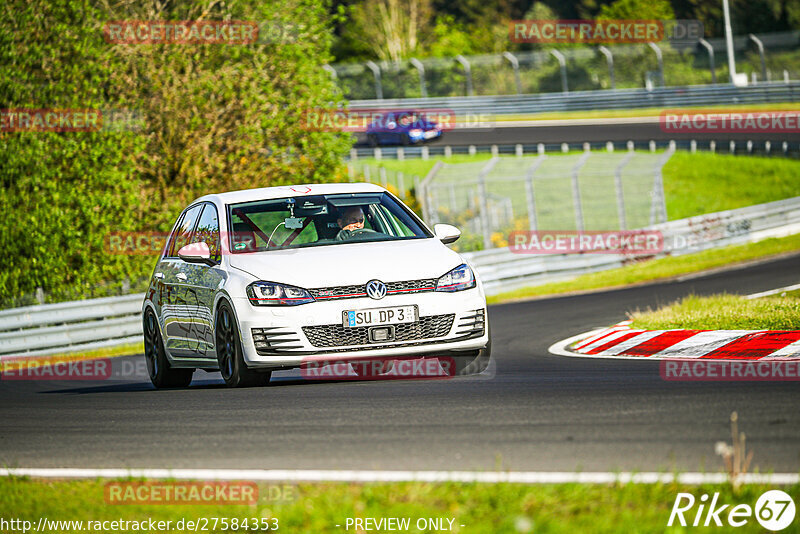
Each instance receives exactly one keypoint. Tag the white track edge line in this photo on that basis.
(321, 475)
(772, 292)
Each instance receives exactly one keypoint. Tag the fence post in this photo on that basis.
(376, 72)
(515, 65)
(424, 192)
(623, 225)
(484, 203)
(467, 72)
(658, 209)
(660, 58)
(330, 70)
(417, 64)
(576, 190)
(401, 184)
(760, 46)
(529, 192)
(710, 49)
(562, 62)
(610, 60)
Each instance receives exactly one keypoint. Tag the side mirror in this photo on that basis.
(447, 233)
(196, 253)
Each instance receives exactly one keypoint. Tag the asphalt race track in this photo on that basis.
(617, 132)
(597, 133)
(538, 412)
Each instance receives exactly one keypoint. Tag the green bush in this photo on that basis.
(214, 117)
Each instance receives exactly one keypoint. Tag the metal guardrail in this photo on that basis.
(661, 97)
(71, 326)
(502, 270)
(90, 324)
(726, 146)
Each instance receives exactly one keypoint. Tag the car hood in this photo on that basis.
(352, 263)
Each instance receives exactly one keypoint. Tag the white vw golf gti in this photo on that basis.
(265, 279)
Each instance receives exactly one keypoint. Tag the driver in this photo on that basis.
(351, 222)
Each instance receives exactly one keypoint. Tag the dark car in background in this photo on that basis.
(402, 127)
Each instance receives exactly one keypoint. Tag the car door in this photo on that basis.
(201, 283)
(176, 311)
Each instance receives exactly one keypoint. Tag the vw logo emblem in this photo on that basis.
(376, 289)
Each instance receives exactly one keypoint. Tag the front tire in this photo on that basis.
(474, 365)
(158, 367)
(228, 345)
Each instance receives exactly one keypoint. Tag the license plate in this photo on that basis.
(373, 316)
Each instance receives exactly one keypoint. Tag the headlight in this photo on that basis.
(416, 132)
(271, 294)
(458, 279)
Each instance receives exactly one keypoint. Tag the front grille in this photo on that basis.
(336, 335)
(472, 325)
(273, 340)
(359, 290)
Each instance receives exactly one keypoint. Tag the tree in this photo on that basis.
(215, 117)
(392, 29)
(637, 10)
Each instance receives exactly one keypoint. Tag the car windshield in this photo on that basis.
(317, 220)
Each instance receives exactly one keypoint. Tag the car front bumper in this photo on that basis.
(300, 334)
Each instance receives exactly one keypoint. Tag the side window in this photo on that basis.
(184, 230)
(208, 230)
(172, 236)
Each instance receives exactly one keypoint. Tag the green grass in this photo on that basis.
(659, 269)
(723, 312)
(481, 508)
(695, 184)
(106, 352)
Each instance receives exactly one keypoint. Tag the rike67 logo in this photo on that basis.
(774, 510)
